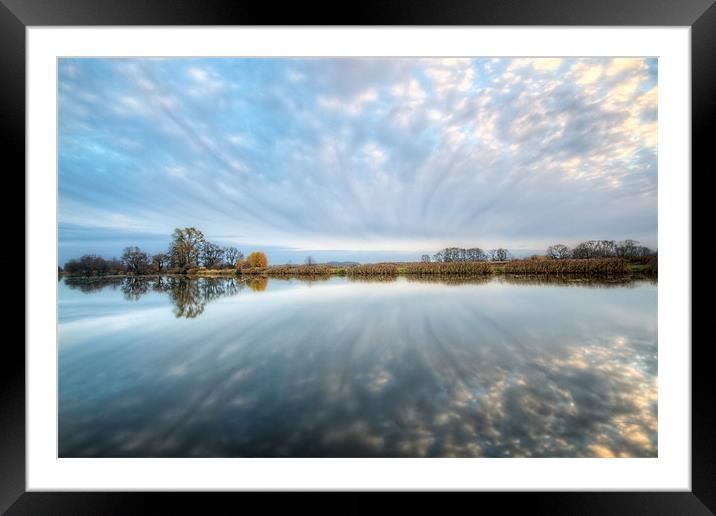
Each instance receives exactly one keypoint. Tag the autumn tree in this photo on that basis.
(186, 247)
(257, 259)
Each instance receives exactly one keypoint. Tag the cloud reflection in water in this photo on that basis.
(339, 368)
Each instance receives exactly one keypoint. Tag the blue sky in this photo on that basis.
(356, 159)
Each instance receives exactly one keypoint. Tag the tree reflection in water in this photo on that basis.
(188, 295)
(89, 285)
(258, 284)
(135, 288)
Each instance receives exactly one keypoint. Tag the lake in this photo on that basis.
(407, 367)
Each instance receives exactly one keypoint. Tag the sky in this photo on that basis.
(361, 159)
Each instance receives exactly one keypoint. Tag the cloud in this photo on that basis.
(353, 106)
(351, 154)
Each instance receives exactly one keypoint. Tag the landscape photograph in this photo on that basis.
(358, 257)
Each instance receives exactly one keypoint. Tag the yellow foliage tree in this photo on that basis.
(257, 259)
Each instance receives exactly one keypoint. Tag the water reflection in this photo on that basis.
(258, 284)
(189, 296)
(88, 285)
(497, 368)
(382, 278)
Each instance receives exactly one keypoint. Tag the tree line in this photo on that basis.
(473, 254)
(584, 250)
(600, 249)
(189, 249)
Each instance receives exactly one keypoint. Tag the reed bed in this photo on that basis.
(252, 271)
(299, 270)
(462, 268)
(373, 269)
(592, 267)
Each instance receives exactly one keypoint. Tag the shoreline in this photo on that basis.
(411, 269)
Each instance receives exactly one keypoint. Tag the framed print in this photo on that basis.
(414, 249)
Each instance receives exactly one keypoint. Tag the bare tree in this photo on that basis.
(606, 248)
(310, 260)
(595, 249)
(499, 255)
(212, 255)
(159, 262)
(644, 251)
(451, 254)
(459, 254)
(232, 256)
(86, 265)
(135, 260)
(559, 252)
(425, 258)
(475, 254)
(582, 251)
(632, 249)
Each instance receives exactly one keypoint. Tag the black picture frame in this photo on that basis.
(17, 15)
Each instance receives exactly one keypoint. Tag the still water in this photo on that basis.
(339, 368)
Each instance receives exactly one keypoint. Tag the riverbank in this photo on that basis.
(528, 267)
